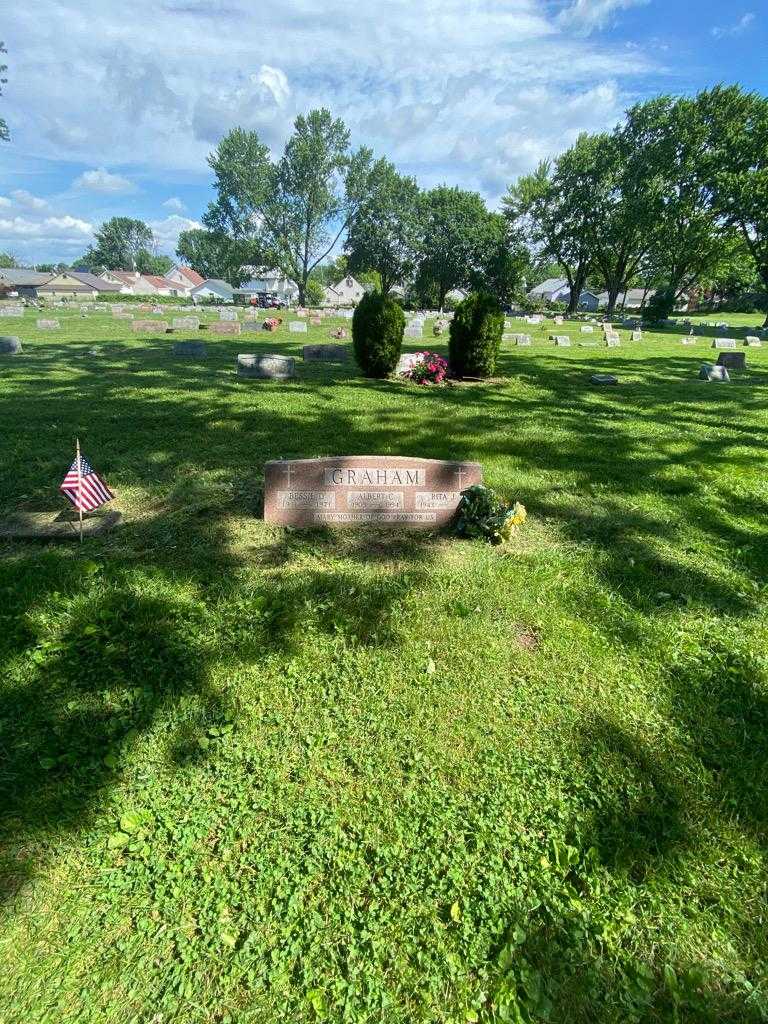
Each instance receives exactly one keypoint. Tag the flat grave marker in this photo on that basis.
(355, 490)
(297, 327)
(150, 326)
(266, 367)
(10, 345)
(48, 325)
(713, 374)
(326, 353)
(724, 343)
(733, 360)
(190, 349)
(227, 315)
(185, 323)
(224, 327)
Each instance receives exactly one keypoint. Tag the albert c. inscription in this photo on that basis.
(355, 490)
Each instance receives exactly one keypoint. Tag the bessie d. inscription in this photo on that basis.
(358, 489)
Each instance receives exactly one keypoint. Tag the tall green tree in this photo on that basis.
(4, 133)
(552, 207)
(299, 207)
(454, 235)
(503, 260)
(384, 237)
(214, 254)
(734, 169)
(122, 243)
(8, 261)
(624, 203)
(665, 140)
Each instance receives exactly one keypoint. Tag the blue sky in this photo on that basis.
(113, 107)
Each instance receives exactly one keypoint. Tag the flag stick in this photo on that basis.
(79, 487)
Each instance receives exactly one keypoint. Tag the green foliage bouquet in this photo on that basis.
(481, 513)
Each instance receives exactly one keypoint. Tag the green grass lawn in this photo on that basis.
(254, 775)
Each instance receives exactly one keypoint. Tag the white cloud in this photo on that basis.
(100, 180)
(469, 94)
(167, 231)
(5, 201)
(275, 80)
(21, 197)
(587, 15)
(66, 227)
(736, 28)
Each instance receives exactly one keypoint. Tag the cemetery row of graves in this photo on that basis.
(250, 772)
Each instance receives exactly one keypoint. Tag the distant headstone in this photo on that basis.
(224, 327)
(413, 330)
(612, 341)
(228, 314)
(724, 343)
(12, 311)
(523, 340)
(190, 349)
(558, 320)
(637, 335)
(48, 325)
(563, 341)
(249, 324)
(687, 341)
(316, 321)
(326, 353)
(733, 360)
(408, 360)
(603, 378)
(713, 374)
(266, 367)
(185, 323)
(587, 329)
(122, 316)
(150, 326)
(353, 490)
(297, 327)
(10, 345)
(752, 342)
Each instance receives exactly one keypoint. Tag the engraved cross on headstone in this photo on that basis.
(288, 470)
(460, 473)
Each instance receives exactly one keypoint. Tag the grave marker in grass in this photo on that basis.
(355, 490)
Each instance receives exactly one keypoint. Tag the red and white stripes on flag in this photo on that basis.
(86, 490)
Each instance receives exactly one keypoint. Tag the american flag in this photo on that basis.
(93, 491)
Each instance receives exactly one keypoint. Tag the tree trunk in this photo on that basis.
(577, 288)
(613, 294)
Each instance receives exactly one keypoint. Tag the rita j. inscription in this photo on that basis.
(385, 490)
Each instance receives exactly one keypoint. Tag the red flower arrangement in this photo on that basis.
(431, 369)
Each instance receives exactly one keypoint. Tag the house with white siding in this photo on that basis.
(347, 292)
(213, 288)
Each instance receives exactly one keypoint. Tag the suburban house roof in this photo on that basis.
(157, 282)
(216, 284)
(126, 276)
(85, 282)
(552, 284)
(633, 297)
(24, 278)
(94, 281)
(191, 275)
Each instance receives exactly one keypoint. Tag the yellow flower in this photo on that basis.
(519, 515)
